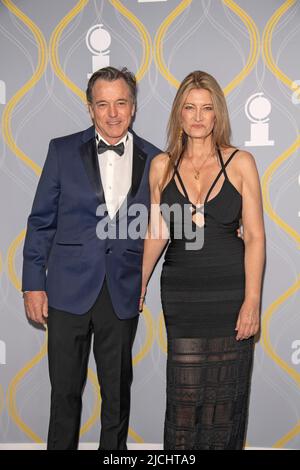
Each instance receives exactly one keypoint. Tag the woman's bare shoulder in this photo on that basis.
(241, 159)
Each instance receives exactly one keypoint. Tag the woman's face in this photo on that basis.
(198, 115)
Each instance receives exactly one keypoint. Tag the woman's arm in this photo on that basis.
(157, 234)
(254, 239)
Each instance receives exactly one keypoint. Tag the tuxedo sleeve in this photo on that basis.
(42, 223)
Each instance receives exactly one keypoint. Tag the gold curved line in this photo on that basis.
(149, 337)
(145, 36)
(158, 42)
(247, 20)
(95, 416)
(12, 391)
(40, 69)
(265, 181)
(91, 375)
(1, 399)
(265, 336)
(267, 43)
(53, 49)
(254, 45)
(269, 60)
(12, 275)
(55, 37)
(267, 345)
(135, 436)
(288, 437)
(161, 333)
(18, 378)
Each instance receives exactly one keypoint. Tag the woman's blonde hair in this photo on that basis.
(176, 137)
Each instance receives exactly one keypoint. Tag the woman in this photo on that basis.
(210, 293)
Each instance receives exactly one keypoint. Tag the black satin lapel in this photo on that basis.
(138, 166)
(89, 157)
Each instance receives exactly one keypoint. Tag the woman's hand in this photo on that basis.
(248, 320)
(142, 298)
(240, 233)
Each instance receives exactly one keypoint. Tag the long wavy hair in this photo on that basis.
(176, 137)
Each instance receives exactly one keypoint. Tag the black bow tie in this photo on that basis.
(119, 149)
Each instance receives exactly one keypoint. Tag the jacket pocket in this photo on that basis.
(62, 248)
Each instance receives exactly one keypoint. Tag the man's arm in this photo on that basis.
(41, 229)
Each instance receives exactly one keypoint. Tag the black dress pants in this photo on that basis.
(69, 342)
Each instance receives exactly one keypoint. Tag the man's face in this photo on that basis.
(111, 109)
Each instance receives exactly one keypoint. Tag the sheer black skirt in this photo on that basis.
(208, 382)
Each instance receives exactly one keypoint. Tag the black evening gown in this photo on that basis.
(202, 290)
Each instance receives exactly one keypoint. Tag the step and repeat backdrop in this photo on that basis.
(48, 50)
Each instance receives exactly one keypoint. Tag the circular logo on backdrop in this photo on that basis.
(97, 39)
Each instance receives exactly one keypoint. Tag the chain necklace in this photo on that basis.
(197, 171)
(196, 176)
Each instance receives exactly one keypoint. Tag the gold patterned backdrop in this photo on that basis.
(47, 54)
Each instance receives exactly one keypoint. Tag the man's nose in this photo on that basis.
(112, 110)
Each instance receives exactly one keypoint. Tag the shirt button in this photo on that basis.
(108, 251)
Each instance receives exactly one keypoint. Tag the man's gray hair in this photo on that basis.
(111, 74)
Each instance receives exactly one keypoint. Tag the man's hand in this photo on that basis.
(36, 306)
(142, 298)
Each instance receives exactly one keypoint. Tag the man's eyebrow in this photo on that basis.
(104, 101)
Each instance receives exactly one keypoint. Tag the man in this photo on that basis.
(91, 283)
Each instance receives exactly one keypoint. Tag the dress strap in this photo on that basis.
(223, 170)
(176, 172)
(175, 167)
(195, 209)
(228, 161)
(222, 163)
(231, 156)
(213, 184)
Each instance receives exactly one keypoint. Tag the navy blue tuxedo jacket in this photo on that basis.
(62, 253)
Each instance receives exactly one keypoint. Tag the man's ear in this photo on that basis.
(91, 112)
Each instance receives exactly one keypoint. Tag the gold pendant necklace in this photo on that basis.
(196, 175)
(197, 171)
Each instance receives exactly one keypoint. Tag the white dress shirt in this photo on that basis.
(116, 173)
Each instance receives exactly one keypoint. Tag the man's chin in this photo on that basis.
(117, 133)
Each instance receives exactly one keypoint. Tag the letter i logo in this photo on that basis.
(2, 92)
(2, 353)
